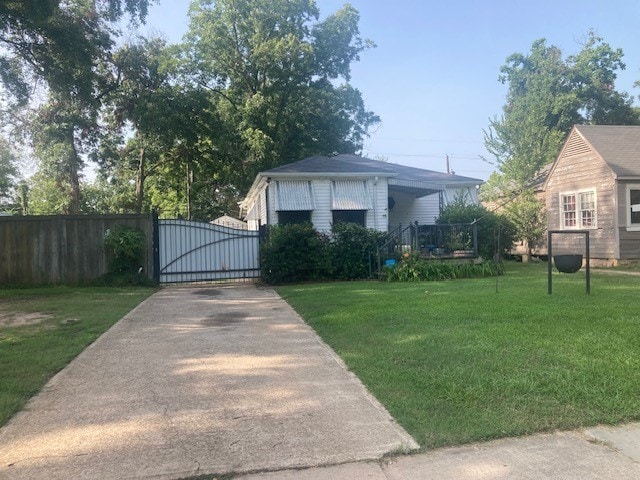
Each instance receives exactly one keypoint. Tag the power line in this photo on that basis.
(430, 155)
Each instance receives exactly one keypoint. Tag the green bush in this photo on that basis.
(488, 224)
(125, 248)
(413, 269)
(294, 253)
(351, 248)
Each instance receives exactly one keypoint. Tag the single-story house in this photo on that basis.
(594, 185)
(326, 190)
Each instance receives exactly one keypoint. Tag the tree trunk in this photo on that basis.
(140, 177)
(74, 177)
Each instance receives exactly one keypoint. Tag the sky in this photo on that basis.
(433, 76)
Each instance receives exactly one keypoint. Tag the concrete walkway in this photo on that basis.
(199, 380)
(215, 380)
(596, 454)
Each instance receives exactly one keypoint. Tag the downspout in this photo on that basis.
(375, 203)
(266, 201)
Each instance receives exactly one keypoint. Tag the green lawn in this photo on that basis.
(71, 319)
(456, 362)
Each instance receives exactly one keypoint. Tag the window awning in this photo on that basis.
(350, 195)
(292, 195)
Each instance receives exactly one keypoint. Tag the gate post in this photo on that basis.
(156, 246)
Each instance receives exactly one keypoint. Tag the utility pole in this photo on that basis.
(448, 169)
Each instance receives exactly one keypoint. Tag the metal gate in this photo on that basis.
(189, 251)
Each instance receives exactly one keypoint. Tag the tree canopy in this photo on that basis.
(58, 41)
(547, 95)
(278, 80)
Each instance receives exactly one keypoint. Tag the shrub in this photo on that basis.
(412, 269)
(125, 247)
(488, 224)
(294, 253)
(351, 249)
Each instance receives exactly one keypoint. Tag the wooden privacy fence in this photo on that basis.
(62, 249)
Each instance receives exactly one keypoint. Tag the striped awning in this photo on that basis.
(350, 195)
(294, 195)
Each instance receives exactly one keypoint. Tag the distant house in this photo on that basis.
(230, 222)
(594, 185)
(350, 188)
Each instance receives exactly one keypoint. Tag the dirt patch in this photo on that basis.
(18, 319)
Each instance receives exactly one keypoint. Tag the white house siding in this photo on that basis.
(408, 209)
(321, 215)
(378, 219)
(450, 194)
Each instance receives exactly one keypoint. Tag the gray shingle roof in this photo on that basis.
(346, 164)
(618, 145)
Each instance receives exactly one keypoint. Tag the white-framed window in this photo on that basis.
(578, 209)
(633, 207)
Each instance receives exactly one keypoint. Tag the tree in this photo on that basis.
(60, 44)
(547, 96)
(8, 171)
(273, 72)
(61, 131)
(58, 41)
(151, 119)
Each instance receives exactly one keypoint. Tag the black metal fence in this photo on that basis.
(437, 242)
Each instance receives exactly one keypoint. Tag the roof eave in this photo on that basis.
(326, 174)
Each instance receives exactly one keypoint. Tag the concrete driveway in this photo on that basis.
(196, 380)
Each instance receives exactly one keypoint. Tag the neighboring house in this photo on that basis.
(328, 190)
(230, 222)
(594, 185)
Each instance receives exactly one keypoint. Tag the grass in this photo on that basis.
(75, 316)
(456, 362)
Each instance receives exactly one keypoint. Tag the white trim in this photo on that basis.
(631, 227)
(578, 210)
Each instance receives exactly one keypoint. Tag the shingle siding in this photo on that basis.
(584, 172)
(629, 240)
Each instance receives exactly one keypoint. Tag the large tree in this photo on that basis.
(278, 79)
(150, 119)
(547, 95)
(58, 41)
(59, 45)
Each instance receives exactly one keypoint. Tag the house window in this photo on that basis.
(569, 210)
(578, 210)
(287, 217)
(633, 206)
(350, 216)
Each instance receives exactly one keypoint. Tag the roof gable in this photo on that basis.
(618, 145)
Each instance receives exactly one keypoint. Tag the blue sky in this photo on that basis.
(433, 77)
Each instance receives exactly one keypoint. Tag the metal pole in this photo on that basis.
(549, 255)
(588, 265)
(156, 246)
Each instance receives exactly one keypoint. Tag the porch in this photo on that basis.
(429, 242)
